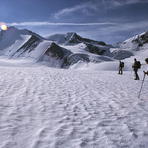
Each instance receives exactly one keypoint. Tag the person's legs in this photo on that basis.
(136, 74)
(121, 71)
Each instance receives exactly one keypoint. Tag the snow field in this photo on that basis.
(41, 107)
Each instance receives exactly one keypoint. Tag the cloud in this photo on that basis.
(92, 6)
(116, 3)
(105, 26)
(58, 24)
(116, 33)
(129, 26)
(85, 8)
(124, 30)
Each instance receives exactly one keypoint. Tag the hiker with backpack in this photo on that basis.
(136, 66)
(146, 72)
(121, 66)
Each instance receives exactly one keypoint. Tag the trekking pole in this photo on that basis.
(141, 86)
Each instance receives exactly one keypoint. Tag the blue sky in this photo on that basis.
(107, 20)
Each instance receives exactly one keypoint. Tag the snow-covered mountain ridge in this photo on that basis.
(64, 50)
(134, 46)
(15, 43)
(71, 38)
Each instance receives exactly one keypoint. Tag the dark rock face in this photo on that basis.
(144, 38)
(95, 49)
(57, 51)
(89, 41)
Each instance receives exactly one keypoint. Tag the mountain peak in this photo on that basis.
(10, 29)
(14, 31)
(72, 37)
(70, 34)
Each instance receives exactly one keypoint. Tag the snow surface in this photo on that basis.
(42, 107)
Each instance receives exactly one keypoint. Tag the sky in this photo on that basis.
(111, 21)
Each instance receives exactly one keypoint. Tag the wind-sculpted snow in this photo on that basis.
(41, 107)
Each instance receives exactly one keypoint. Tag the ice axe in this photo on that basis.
(141, 86)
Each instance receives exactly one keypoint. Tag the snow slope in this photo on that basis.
(12, 39)
(40, 50)
(15, 44)
(82, 49)
(9, 37)
(11, 50)
(43, 107)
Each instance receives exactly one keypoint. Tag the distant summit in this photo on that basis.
(136, 42)
(136, 45)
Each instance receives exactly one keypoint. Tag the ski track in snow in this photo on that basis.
(42, 107)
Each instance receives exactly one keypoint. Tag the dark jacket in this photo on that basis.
(136, 65)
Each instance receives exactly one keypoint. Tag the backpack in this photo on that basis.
(138, 64)
(122, 64)
(146, 60)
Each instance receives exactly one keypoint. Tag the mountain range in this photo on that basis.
(64, 50)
